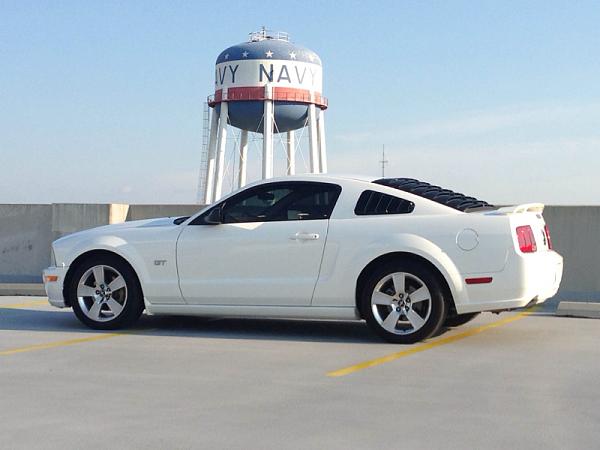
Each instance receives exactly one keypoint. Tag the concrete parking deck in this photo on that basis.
(509, 381)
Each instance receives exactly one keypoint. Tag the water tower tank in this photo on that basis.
(244, 71)
(266, 85)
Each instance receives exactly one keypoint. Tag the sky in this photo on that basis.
(103, 101)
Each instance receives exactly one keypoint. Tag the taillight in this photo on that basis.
(548, 240)
(526, 239)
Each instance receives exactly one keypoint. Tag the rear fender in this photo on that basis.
(417, 245)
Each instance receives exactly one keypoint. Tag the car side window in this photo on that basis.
(282, 202)
(372, 203)
(311, 202)
(254, 207)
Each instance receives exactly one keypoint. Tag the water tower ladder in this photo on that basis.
(203, 154)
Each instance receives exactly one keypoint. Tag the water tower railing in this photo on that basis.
(257, 94)
(269, 34)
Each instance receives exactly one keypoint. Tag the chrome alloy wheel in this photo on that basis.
(102, 293)
(401, 303)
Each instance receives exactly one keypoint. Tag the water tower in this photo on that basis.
(266, 85)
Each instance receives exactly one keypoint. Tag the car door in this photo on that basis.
(265, 250)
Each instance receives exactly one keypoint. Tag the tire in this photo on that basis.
(390, 311)
(115, 302)
(459, 319)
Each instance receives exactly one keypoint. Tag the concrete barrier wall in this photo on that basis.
(139, 212)
(26, 232)
(575, 232)
(68, 218)
(25, 237)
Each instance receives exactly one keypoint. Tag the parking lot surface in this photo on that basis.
(518, 380)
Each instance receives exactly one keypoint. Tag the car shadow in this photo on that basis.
(198, 327)
(301, 330)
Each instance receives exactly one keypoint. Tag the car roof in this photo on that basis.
(315, 177)
(424, 191)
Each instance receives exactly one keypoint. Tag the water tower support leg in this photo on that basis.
(312, 137)
(220, 169)
(243, 159)
(291, 153)
(210, 166)
(322, 145)
(267, 162)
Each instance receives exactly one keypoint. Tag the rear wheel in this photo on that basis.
(459, 319)
(403, 302)
(105, 293)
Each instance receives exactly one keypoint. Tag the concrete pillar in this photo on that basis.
(243, 159)
(210, 166)
(291, 153)
(322, 145)
(117, 213)
(220, 160)
(313, 140)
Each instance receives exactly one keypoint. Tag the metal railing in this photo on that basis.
(317, 99)
(264, 34)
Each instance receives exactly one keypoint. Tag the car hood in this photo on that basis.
(109, 229)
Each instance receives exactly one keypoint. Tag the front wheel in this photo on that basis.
(105, 293)
(403, 302)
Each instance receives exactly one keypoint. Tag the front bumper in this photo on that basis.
(53, 283)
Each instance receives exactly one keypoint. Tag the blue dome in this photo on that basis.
(279, 49)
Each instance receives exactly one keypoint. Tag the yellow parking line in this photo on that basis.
(426, 346)
(24, 304)
(31, 348)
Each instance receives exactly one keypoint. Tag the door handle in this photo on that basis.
(305, 236)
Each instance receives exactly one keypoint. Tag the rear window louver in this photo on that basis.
(437, 194)
(374, 203)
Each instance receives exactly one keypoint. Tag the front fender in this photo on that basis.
(113, 244)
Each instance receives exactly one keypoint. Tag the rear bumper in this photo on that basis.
(54, 289)
(526, 279)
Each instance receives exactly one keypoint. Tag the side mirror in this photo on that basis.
(214, 216)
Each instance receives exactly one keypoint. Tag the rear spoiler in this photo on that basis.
(524, 208)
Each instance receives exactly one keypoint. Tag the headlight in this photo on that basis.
(52, 258)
